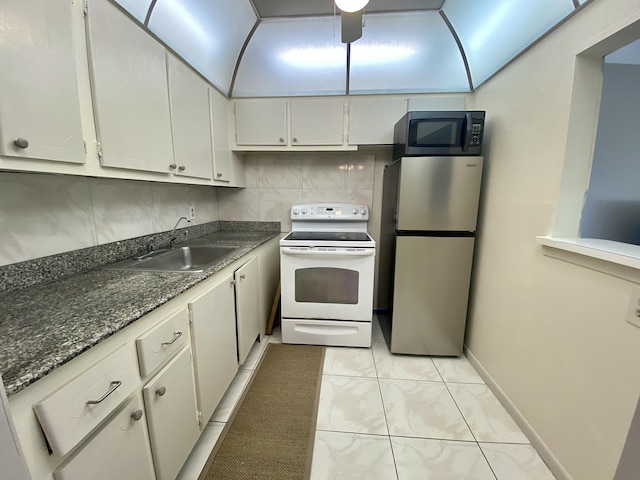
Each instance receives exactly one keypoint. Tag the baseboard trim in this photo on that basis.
(536, 441)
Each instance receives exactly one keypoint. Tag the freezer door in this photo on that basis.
(431, 292)
(439, 193)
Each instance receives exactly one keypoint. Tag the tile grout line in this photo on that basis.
(384, 412)
(471, 431)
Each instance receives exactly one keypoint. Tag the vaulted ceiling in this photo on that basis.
(262, 48)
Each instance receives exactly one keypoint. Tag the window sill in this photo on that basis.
(613, 258)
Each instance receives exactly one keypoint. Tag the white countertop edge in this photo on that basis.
(608, 252)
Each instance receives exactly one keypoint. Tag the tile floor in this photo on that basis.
(395, 417)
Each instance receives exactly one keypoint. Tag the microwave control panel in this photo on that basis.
(476, 134)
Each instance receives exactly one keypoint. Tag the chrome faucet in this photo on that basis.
(171, 237)
(153, 248)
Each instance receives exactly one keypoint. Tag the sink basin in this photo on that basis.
(179, 259)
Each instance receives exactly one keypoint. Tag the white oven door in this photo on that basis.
(327, 283)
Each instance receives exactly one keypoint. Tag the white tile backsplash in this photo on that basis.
(284, 179)
(121, 209)
(43, 215)
(47, 214)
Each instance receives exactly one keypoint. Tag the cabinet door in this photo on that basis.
(170, 402)
(220, 133)
(247, 307)
(213, 336)
(130, 91)
(317, 122)
(261, 122)
(191, 125)
(371, 121)
(39, 101)
(120, 450)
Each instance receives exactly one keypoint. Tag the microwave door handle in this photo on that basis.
(466, 132)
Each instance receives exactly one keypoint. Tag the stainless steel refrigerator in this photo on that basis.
(429, 213)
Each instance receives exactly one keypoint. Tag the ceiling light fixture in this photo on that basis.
(351, 6)
(351, 18)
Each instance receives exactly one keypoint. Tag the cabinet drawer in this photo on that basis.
(72, 411)
(163, 341)
(119, 450)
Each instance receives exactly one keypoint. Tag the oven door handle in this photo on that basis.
(336, 253)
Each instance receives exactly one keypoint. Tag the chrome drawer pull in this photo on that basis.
(114, 386)
(177, 335)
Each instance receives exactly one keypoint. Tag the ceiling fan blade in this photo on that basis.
(351, 24)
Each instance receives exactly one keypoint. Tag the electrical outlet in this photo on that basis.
(192, 213)
(633, 314)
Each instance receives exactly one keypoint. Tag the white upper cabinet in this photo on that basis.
(222, 162)
(130, 92)
(39, 104)
(317, 121)
(190, 122)
(261, 122)
(295, 124)
(371, 120)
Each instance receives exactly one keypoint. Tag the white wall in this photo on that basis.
(47, 214)
(551, 334)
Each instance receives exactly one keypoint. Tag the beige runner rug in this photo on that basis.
(270, 434)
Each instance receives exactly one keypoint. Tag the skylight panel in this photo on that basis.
(208, 34)
(492, 32)
(293, 56)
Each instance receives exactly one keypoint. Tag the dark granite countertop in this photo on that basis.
(47, 325)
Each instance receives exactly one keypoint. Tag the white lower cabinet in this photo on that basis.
(247, 306)
(169, 368)
(213, 335)
(120, 450)
(170, 402)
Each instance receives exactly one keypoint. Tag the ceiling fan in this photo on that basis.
(351, 18)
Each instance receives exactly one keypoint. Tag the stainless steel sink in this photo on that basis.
(179, 259)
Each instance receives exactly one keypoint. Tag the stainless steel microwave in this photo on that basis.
(438, 133)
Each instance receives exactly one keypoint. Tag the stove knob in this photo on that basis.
(354, 211)
(363, 211)
(296, 211)
(304, 211)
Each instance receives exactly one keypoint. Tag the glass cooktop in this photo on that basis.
(329, 236)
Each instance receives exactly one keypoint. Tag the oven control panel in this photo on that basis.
(327, 211)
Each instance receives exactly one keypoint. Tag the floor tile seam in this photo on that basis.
(495, 442)
(461, 414)
(435, 382)
(458, 382)
(434, 438)
(381, 435)
(471, 431)
(355, 377)
(346, 375)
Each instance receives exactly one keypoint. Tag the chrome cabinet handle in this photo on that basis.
(114, 386)
(161, 391)
(182, 168)
(21, 142)
(176, 336)
(137, 415)
(218, 175)
(242, 277)
(281, 140)
(233, 282)
(173, 166)
(295, 140)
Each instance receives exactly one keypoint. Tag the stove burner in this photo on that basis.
(328, 236)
